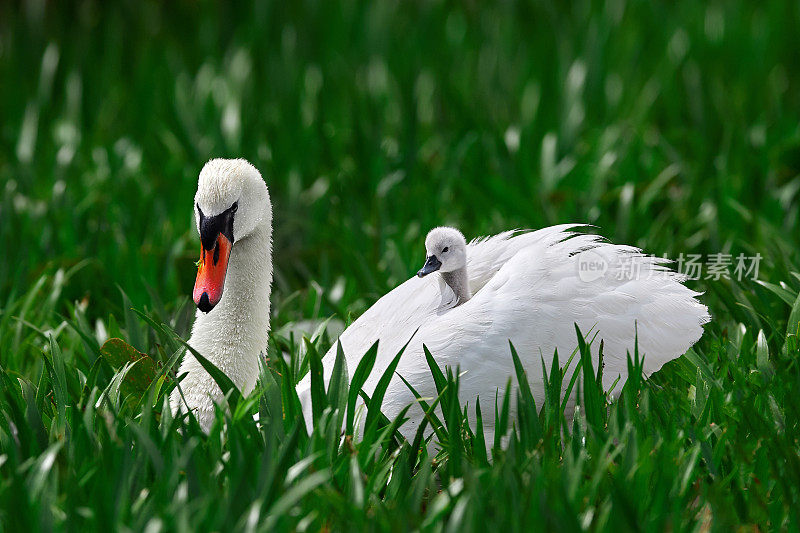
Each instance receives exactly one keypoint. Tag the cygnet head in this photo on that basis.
(230, 203)
(446, 251)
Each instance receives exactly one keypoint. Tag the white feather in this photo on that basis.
(235, 332)
(526, 289)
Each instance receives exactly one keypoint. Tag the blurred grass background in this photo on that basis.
(672, 126)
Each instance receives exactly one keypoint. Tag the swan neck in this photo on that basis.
(459, 283)
(235, 332)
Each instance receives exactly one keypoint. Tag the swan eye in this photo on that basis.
(445, 249)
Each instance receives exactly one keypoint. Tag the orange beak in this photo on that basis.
(211, 274)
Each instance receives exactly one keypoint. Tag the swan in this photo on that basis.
(233, 216)
(469, 300)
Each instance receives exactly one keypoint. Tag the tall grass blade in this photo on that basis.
(360, 376)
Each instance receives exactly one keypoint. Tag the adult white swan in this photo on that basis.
(233, 216)
(529, 288)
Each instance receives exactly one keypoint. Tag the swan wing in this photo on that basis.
(532, 288)
(485, 255)
(538, 295)
(393, 320)
(395, 317)
(534, 301)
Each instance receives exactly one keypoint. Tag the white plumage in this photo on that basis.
(235, 332)
(529, 288)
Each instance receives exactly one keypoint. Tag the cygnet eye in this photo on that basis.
(445, 249)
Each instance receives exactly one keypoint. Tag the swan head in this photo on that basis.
(230, 203)
(445, 251)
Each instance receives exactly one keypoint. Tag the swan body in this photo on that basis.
(233, 214)
(529, 288)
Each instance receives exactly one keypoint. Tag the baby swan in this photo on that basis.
(446, 252)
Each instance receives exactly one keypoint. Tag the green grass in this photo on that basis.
(671, 126)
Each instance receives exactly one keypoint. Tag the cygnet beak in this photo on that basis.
(432, 264)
